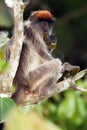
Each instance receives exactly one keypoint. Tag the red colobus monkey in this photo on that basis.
(38, 72)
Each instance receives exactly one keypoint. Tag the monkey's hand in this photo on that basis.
(51, 42)
(69, 70)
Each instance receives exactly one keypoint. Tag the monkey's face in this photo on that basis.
(45, 30)
(43, 27)
(46, 27)
(48, 37)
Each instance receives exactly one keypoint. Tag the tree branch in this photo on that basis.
(6, 79)
(70, 83)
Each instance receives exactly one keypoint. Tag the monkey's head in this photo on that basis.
(43, 21)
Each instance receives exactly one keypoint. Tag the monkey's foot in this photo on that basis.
(69, 70)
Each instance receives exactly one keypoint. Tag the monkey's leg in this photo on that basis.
(45, 75)
(41, 81)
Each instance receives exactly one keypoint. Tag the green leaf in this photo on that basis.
(5, 17)
(6, 104)
(82, 83)
(52, 107)
(3, 65)
(67, 107)
(81, 107)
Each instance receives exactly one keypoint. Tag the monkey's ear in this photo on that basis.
(32, 18)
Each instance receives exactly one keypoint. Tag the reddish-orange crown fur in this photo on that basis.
(43, 14)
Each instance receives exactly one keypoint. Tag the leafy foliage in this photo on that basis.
(3, 66)
(68, 110)
(6, 104)
(5, 16)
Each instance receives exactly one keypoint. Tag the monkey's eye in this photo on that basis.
(43, 24)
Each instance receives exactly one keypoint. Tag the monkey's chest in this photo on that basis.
(33, 62)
